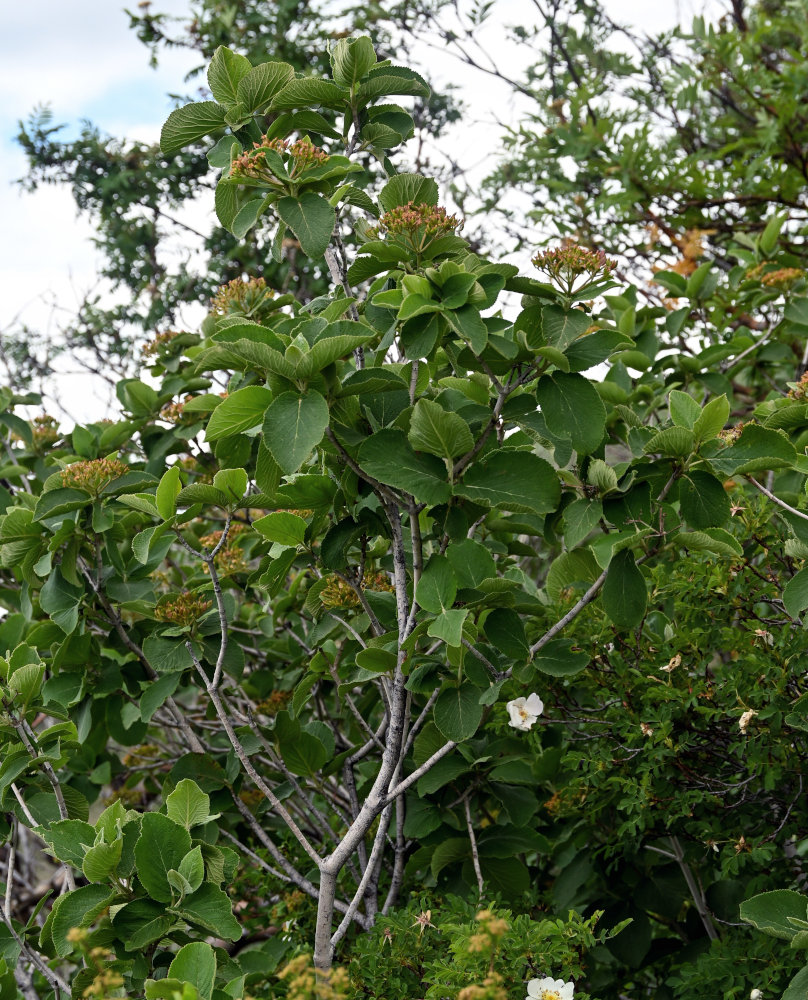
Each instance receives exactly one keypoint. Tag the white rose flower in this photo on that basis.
(755, 995)
(549, 989)
(523, 712)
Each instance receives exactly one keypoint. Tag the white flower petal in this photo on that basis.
(533, 988)
(534, 704)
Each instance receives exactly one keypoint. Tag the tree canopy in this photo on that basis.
(422, 625)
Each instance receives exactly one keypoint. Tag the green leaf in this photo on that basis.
(514, 481)
(712, 540)
(190, 123)
(239, 411)
(797, 989)
(376, 660)
(388, 457)
(558, 660)
(468, 324)
(141, 922)
(188, 805)
(192, 868)
(449, 852)
(166, 655)
(471, 562)
(102, 860)
(77, 909)
(712, 419)
(448, 626)
(311, 219)
(505, 632)
(580, 519)
(310, 92)
(282, 527)
(795, 593)
(458, 712)
(389, 80)
(771, 912)
(684, 410)
(246, 217)
(62, 501)
(256, 89)
(195, 963)
(703, 500)
(210, 908)
(561, 328)
(677, 442)
(572, 409)
(439, 431)
(402, 189)
(351, 59)
(225, 71)
(757, 448)
(161, 846)
(70, 840)
(169, 989)
(232, 483)
(437, 586)
(293, 426)
(625, 594)
(167, 490)
(60, 600)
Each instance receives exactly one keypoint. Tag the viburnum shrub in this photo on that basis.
(299, 635)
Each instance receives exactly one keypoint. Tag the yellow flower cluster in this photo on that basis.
(304, 982)
(492, 928)
(784, 277)
(491, 988)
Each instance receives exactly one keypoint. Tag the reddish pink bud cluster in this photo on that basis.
(298, 156)
(411, 220)
(566, 263)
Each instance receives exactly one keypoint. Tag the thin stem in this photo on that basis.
(475, 856)
(775, 499)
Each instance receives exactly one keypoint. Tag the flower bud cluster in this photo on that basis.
(172, 413)
(158, 342)
(415, 226)
(45, 430)
(184, 610)
(799, 390)
(784, 277)
(565, 264)
(274, 702)
(339, 594)
(92, 475)
(298, 157)
(241, 297)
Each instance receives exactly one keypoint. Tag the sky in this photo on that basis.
(81, 59)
